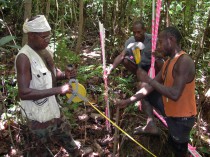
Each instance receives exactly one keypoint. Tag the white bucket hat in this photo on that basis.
(39, 24)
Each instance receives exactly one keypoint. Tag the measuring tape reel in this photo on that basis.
(78, 92)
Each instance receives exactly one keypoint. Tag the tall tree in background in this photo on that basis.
(81, 21)
(62, 17)
(47, 8)
(141, 5)
(27, 14)
(167, 17)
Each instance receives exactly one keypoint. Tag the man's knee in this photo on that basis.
(125, 61)
(129, 65)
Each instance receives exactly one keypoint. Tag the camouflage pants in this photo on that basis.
(56, 131)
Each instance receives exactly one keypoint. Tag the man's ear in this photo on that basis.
(30, 34)
(172, 39)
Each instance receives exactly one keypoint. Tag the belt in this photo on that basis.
(182, 118)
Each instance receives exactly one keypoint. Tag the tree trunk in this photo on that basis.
(115, 11)
(79, 40)
(74, 6)
(62, 13)
(201, 46)
(47, 9)
(37, 10)
(104, 13)
(167, 13)
(27, 14)
(141, 4)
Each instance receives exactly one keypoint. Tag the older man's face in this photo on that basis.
(40, 40)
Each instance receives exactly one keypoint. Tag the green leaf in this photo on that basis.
(204, 150)
(6, 39)
(14, 46)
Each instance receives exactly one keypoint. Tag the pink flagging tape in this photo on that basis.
(157, 21)
(160, 117)
(153, 32)
(151, 72)
(193, 151)
(102, 40)
(155, 25)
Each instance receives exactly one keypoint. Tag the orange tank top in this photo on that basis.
(185, 106)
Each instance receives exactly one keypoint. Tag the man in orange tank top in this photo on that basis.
(176, 83)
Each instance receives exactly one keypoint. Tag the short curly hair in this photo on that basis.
(173, 31)
(139, 22)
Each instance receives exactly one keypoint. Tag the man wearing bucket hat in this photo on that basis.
(36, 77)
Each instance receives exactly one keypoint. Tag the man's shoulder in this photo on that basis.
(130, 39)
(184, 63)
(23, 51)
(185, 58)
(148, 36)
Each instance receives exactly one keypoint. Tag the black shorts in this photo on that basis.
(155, 99)
(180, 127)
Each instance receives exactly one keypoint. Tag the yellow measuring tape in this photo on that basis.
(79, 92)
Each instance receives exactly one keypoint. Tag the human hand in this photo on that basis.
(66, 88)
(70, 72)
(109, 69)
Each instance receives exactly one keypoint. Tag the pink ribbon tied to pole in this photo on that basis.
(155, 26)
(102, 39)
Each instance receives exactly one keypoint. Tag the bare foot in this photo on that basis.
(150, 128)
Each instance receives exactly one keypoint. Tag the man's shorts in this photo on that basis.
(56, 131)
(180, 127)
(155, 99)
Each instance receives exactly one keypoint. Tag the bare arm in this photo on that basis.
(24, 77)
(67, 74)
(60, 75)
(116, 62)
(118, 59)
(140, 94)
(183, 73)
(144, 90)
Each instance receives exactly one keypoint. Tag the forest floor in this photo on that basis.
(89, 127)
